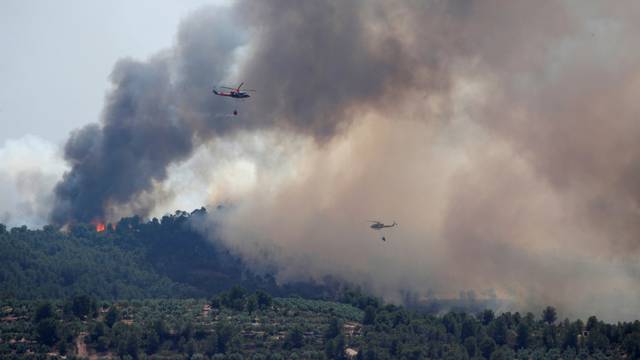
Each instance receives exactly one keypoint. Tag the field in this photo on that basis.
(175, 329)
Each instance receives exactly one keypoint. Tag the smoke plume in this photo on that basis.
(500, 136)
(157, 112)
(30, 168)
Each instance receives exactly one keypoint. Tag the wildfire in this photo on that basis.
(100, 226)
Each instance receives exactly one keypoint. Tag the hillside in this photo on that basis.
(161, 258)
(242, 325)
(171, 328)
(160, 290)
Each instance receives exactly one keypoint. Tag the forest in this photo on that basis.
(131, 259)
(238, 324)
(159, 290)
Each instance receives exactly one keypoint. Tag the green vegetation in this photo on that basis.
(162, 258)
(172, 328)
(138, 290)
(226, 327)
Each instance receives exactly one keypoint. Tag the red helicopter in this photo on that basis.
(233, 92)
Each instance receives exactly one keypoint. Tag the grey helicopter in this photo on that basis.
(378, 225)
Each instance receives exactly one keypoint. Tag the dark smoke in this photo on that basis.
(313, 62)
(155, 115)
(318, 59)
(502, 136)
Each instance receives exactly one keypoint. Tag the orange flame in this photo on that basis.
(100, 226)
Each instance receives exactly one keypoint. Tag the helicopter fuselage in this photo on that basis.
(239, 94)
(379, 226)
(233, 93)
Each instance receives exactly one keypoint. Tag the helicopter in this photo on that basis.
(377, 225)
(235, 93)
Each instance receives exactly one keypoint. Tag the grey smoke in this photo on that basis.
(154, 116)
(31, 166)
(501, 136)
(160, 109)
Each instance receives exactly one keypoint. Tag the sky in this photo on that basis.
(57, 57)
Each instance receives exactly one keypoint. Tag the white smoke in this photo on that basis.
(30, 168)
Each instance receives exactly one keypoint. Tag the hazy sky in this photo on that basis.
(57, 57)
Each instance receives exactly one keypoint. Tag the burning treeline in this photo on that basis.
(100, 226)
(502, 136)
